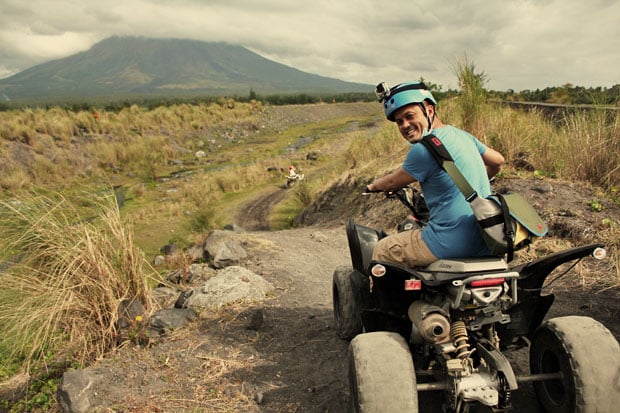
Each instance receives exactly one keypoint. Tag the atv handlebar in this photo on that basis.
(410, 197)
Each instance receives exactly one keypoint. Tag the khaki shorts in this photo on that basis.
(406, 248)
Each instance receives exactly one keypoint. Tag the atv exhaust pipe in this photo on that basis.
(430, 322)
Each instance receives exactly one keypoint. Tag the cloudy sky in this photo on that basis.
(518, 44)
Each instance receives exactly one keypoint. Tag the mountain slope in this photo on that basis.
(125, 66)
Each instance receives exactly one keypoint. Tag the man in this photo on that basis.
(452, 230)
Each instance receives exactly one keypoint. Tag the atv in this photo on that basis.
(447, 328)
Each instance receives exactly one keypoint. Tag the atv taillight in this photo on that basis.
(599, 253)
(490, 282)
(413, 285)
(378, 270)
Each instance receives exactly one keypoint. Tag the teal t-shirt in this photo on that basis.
(452, 231)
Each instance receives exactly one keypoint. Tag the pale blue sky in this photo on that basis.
(518, 44)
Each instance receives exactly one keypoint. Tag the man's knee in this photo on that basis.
(389, 249)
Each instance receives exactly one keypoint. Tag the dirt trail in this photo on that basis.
(254, 215)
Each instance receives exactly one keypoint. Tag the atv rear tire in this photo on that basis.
(588, 356)
(381, 374)
(345, 301)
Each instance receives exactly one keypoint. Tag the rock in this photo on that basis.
(231, 284)
(233, 227)
(543, 188)
(159, 260)
(128, 311)
(169, 249)
(170, 319)
(14, 388)
(176, 276)
(197, 271)
(73, 395)
(222, 250)
(256, 320)
(164, 296)
(196, 253)
(181, 302)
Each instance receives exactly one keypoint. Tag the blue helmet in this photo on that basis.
(402, 95)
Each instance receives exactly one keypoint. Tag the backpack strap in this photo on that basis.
(509, 233)
(445, 161)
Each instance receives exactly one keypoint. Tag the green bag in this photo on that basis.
(508, 222)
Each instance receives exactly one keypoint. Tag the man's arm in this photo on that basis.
(493, 161)
(394, 180)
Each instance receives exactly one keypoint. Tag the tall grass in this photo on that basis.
(68, 265)
(580, 146)
(591, 147)
(384, 148)
(472, 93)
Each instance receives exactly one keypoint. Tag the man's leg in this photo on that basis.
(406, 248)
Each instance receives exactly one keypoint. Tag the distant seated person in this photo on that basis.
(291, 172)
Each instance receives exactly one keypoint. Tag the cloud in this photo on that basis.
(519, 44)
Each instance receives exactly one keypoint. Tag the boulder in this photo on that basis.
(73, 392)
(222, 250)
(232, 284)
(170, 319)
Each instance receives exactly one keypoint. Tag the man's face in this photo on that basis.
(411, 122)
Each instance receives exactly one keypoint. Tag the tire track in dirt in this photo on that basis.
(254, 215)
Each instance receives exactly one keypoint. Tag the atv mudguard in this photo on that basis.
(527, 315)
(362, 241)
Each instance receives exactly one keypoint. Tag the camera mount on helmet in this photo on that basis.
(382, 90)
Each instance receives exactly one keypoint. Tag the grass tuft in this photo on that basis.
(67, 265)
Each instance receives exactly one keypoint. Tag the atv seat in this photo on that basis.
(449, 269)
(466, 265)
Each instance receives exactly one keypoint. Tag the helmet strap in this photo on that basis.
(428, 118)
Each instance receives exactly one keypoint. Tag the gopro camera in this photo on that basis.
(382, 91)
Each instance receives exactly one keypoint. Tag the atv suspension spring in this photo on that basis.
(458, 334)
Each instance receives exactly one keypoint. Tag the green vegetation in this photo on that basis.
(567, 94)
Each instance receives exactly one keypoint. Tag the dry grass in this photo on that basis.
(383, 149)
(69, 264)
(74, 145)
(592, 147)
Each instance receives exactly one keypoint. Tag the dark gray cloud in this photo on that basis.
(519, 44)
